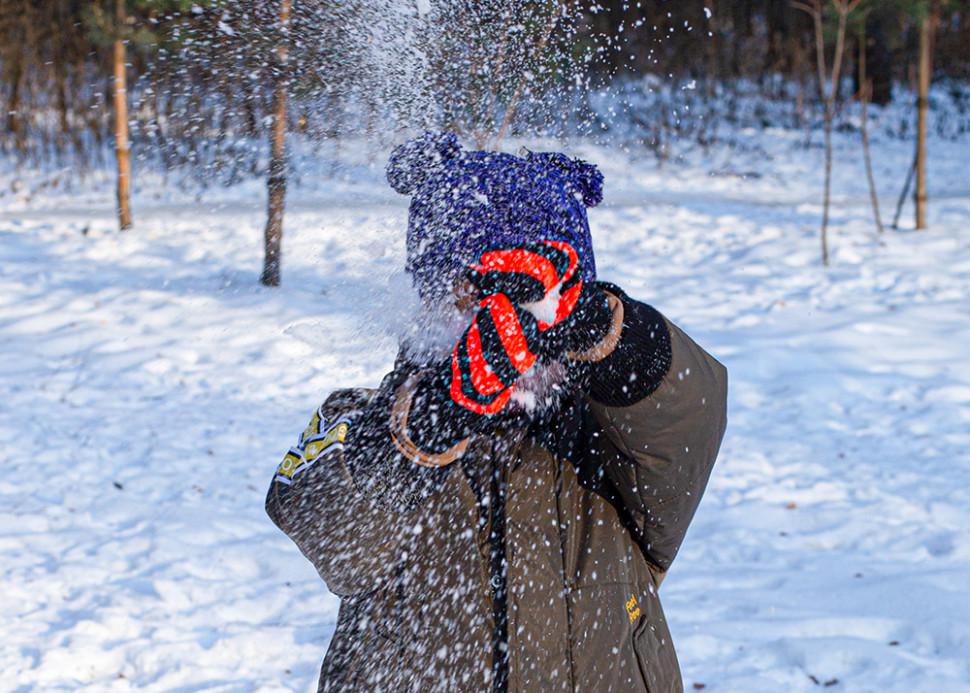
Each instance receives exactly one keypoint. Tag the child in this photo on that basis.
(500, 512)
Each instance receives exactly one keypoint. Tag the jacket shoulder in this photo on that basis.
(346, 401)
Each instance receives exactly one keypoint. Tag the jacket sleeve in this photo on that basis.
(346, 495)
(661, 403)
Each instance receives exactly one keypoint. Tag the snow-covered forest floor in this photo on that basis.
(149, 386)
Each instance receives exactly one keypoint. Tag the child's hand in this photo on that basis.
(533, 305)
(541, 277)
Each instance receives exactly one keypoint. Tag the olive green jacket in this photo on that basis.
(597, 503)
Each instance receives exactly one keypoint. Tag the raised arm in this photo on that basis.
(345, 493)
(661, 401)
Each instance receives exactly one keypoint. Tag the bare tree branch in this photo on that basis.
(539, 48)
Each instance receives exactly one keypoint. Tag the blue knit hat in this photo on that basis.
(466, 202)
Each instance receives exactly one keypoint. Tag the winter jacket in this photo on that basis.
(531, 560)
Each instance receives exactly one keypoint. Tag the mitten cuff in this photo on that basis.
(629, 363)
(603, 336)
(585, 328)
(437, 433)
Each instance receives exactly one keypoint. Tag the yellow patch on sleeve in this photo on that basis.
(316, 446)
(292, 461)
(312, 447)
(313, 428)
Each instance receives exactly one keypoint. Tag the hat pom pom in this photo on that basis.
(583, 176)
(413, 162)
(589, 180)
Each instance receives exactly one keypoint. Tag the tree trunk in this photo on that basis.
(827, 195)
(59, 67)
(15, 124)
(903, 195)
(276, 183)
(844, 8)
(800, 68)
(864, 95)
(829, 102)
(829, 96)
(122, 152)
(922, 104)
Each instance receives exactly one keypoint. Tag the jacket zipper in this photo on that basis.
(498, 577)
(567, 582)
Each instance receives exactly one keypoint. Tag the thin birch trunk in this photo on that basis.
(829, 96)
(827, 101)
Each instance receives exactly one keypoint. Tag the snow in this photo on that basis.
(150, 387)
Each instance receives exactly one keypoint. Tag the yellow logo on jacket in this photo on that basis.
(632, 608)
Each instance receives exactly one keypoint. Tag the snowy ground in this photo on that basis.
(149, 387)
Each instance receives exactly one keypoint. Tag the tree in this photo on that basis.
(276, 182)
(927, 26)
(120, 93)
(816, 9)
(865, 95)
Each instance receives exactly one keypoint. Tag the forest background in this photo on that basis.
(213, 89)
(198, 245)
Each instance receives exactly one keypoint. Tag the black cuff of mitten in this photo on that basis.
(588, 324)
(640, 360)
(436, 422)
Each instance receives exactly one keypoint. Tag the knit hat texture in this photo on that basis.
(466, 202)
